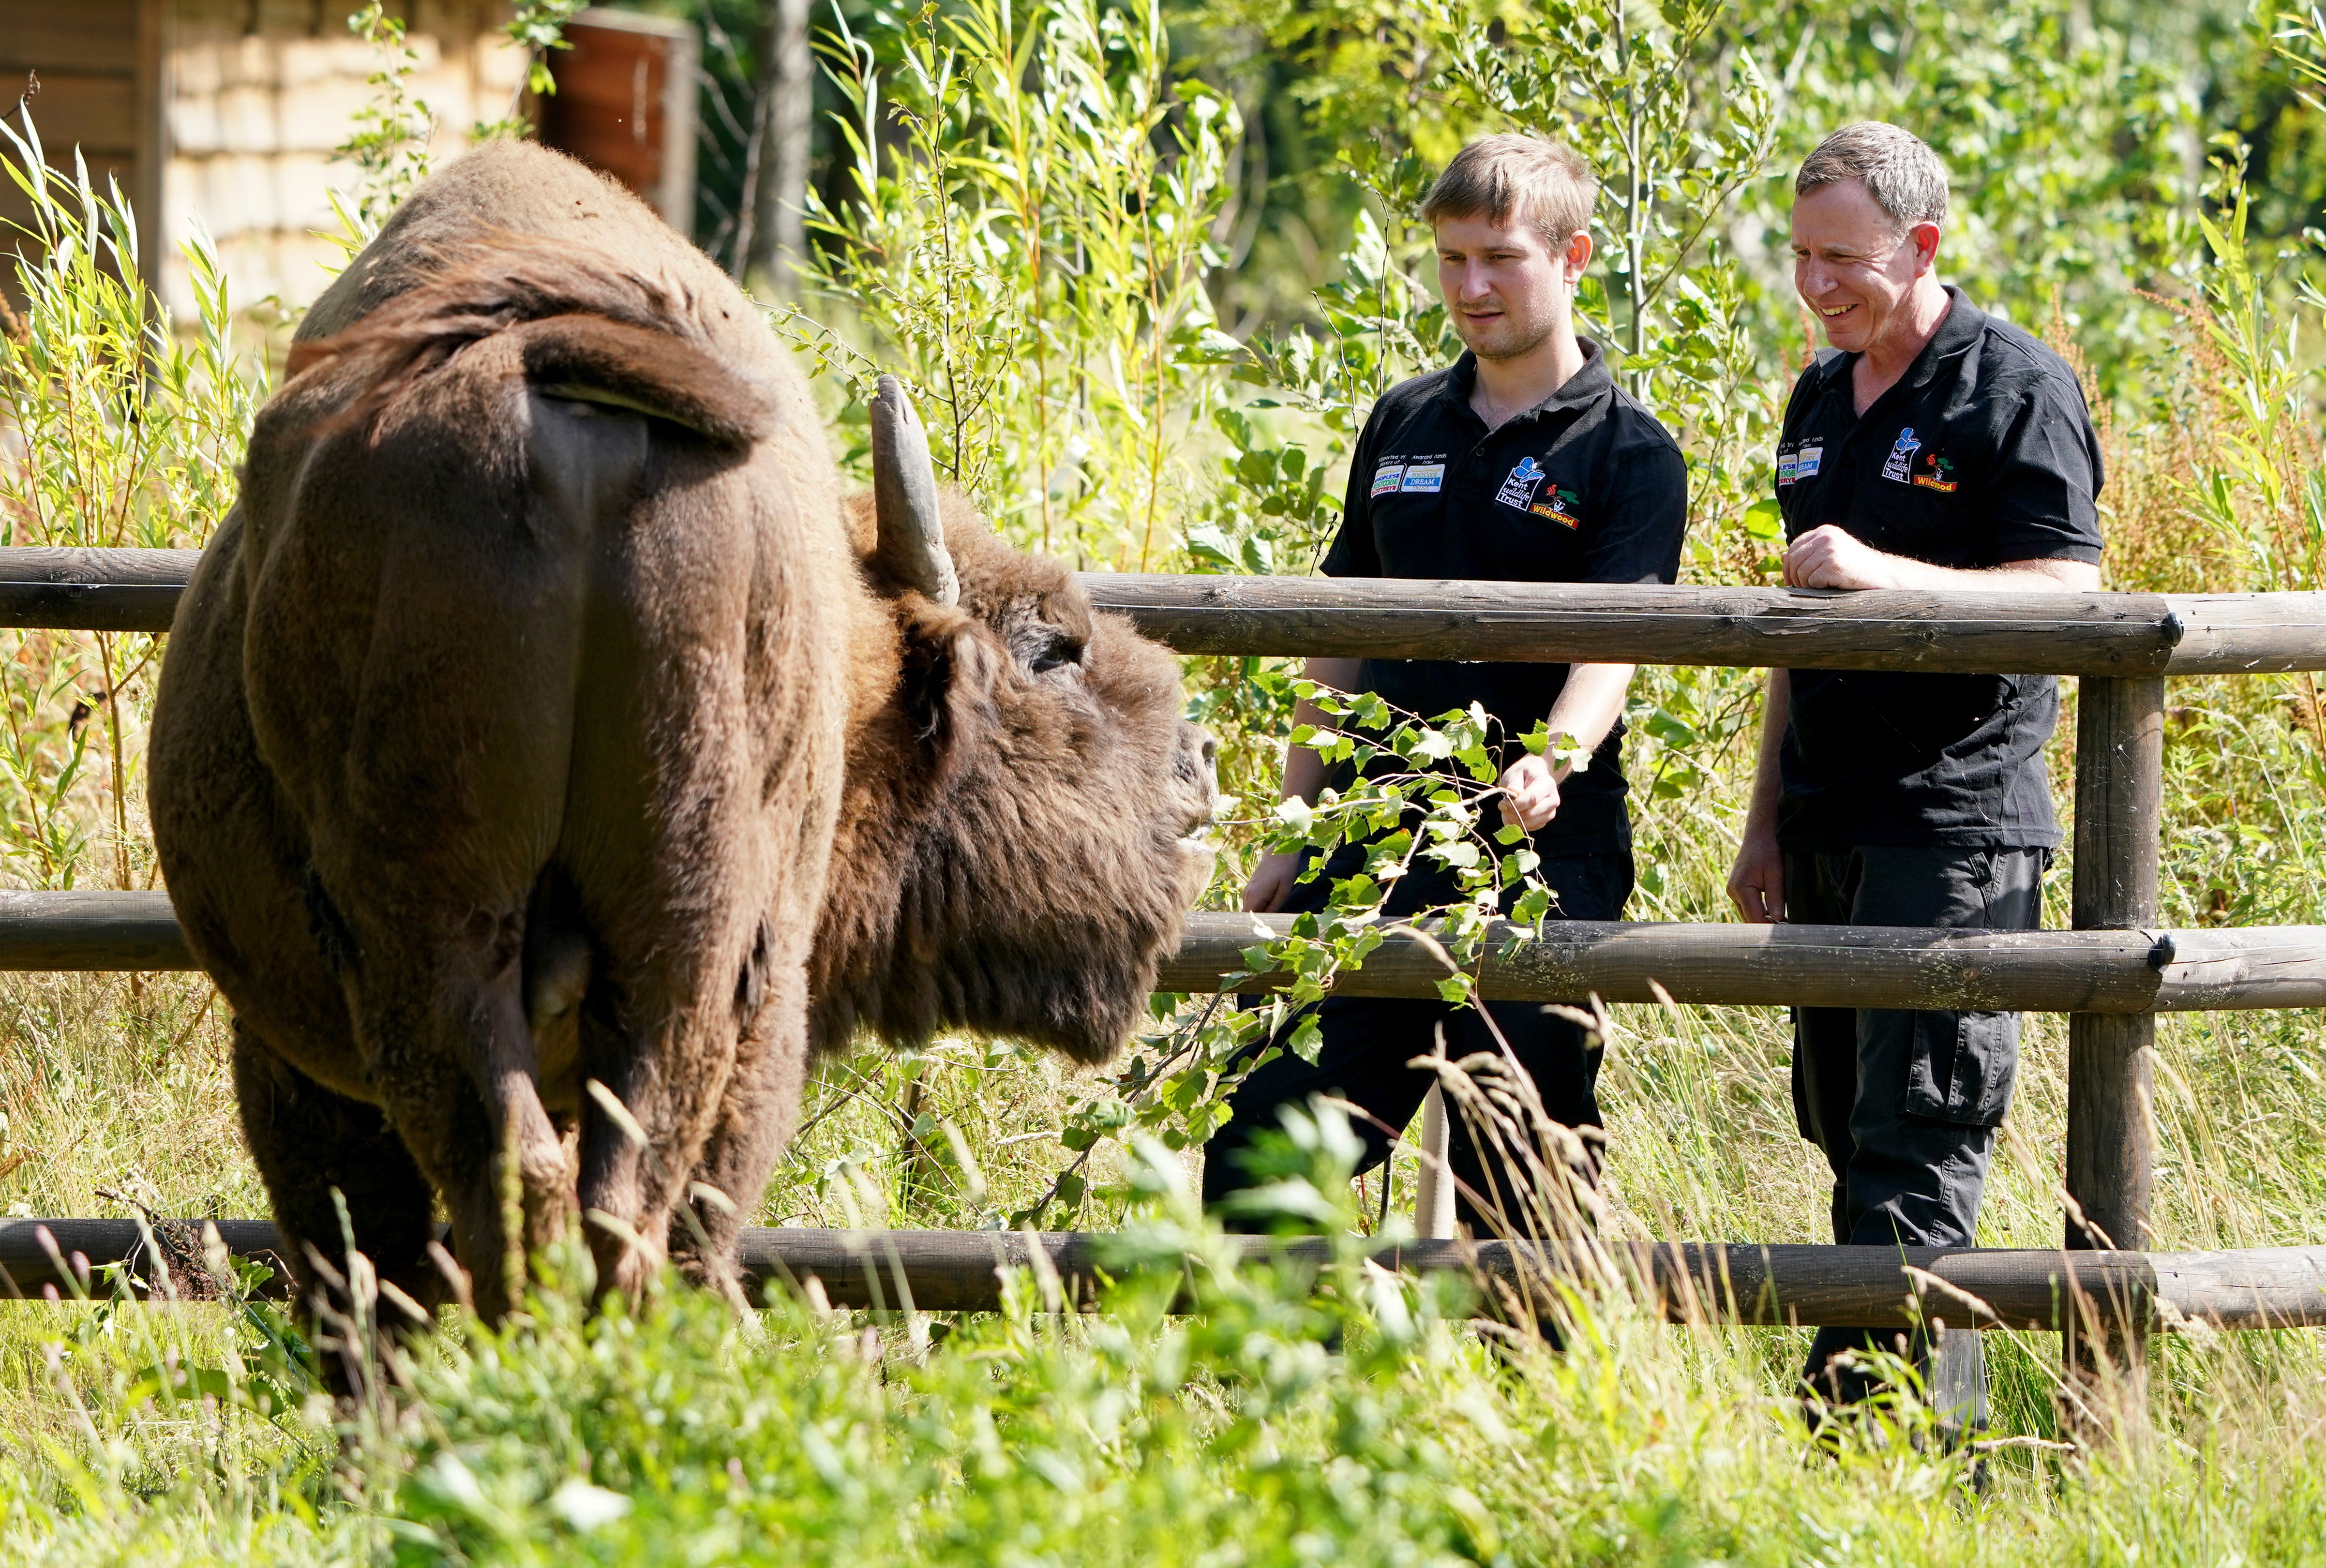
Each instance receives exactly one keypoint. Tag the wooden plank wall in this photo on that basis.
(99, 63)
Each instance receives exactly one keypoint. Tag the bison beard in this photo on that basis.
(548, 760)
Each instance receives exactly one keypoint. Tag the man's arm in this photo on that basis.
(1757, 881)
(1635, 536)
(1586, 709)
(1304, 774)
(1832, 557)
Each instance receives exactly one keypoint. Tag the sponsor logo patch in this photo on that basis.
(1788, 466)
(1424, 479)
(1900, 464)
(1387, 477)
(1517, 488)
(1561, 506)
(1805, 465)
(1936, 473)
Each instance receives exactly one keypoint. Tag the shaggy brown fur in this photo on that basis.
(538, 718)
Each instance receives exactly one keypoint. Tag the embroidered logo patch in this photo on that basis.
(1425, 478)
(1805, 466)
(1561, 506)
(1387, 477)
(1788, 466)
(1900, 464)
(1936, 473)
(1518, 488)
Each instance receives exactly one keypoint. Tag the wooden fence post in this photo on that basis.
(2119, 797)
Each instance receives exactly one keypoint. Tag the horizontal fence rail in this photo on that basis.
(1980, 632)
(2063, 633)
(1827, 966)
(1690, 1282)
(1817, 966)
(93, 591)
(91, 930)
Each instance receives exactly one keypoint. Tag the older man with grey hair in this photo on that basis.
(1934, 447)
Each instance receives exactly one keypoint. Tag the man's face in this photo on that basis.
(1852, 265)
(1504, 287)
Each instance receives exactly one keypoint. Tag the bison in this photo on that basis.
(549, 759)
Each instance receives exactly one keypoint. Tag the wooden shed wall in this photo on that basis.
(228, 112)
(97, 62)
(260, 92)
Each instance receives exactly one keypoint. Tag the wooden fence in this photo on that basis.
(2112, 974)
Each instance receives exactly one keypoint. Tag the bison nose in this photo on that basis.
(1199, 750)
(1198, 762)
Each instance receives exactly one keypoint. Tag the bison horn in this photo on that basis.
(911, 547)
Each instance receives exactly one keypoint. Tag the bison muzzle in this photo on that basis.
(549, 760)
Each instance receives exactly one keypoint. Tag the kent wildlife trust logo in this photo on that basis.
(1900, 464)
(1518, 489)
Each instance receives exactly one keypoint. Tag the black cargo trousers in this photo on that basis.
(1906, 1105)
(1369, 1040)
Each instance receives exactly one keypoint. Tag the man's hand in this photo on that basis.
(1757, 881)
(1831, 556)
(1530, 793)
(1272, 884)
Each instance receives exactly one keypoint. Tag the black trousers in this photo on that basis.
(1906, 1105)
(1368, 1041)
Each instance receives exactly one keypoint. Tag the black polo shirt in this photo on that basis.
(1585, 486)
(1982, 453)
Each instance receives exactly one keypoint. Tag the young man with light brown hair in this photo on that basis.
(1523, 461)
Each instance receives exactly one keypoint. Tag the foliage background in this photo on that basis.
(1147, 267)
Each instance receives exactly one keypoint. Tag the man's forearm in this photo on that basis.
(1304, 770)
(1776, 713)
(2012, 577)
(1589, 704)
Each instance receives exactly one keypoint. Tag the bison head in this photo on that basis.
(1019, 841)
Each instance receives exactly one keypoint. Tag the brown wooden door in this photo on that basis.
(625, 104)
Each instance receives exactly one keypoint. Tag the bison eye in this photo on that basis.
(1056, 654)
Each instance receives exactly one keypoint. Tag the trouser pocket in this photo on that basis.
(1963, 1067)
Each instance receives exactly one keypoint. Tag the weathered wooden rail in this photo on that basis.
(2057, 634)
(1819, 966)
(1687, 1281)
(2060, 634)
(2112, 974)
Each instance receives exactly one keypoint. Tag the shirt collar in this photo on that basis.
(1587, 385)
(1958, 328)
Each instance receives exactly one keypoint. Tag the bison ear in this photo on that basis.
(911, 547)
(950, 672)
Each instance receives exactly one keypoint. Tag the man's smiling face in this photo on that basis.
(1853, 266)
(1505, 288)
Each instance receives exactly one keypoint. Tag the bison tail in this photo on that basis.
(591, 332)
